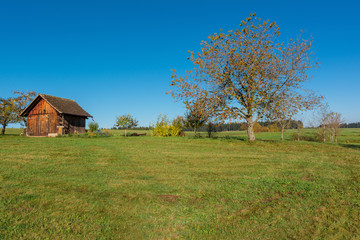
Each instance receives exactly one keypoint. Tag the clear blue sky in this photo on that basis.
(115, 57)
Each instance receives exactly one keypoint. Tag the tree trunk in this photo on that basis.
(125, 132)
(3, 129)
(195, 131)
(282, 132)
(250, 129)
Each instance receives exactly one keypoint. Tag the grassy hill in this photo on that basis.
(175, 188)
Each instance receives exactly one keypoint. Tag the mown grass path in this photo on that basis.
(178, 188)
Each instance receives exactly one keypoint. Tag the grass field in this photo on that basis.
(179, 188)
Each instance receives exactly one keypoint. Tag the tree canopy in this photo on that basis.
(126, 121)
(240, 73)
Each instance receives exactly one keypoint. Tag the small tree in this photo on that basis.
(298, 134)
(126, 121)
(334, 122)
(322, 120)
(194, 121)
(11, 108)
(8, 113)
(289, 104)
(93, 126)
(210, 128)
(198, 113)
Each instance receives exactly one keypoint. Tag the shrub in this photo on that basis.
(297, 136)
(273, 128)
(163, 127)
(93, 126)
(177, 126)
(259, 128)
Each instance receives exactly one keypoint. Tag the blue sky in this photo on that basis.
(115, 57)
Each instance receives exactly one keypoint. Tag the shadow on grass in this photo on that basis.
(239, 138)
(352, 146)
(10, 135)
(246, 139)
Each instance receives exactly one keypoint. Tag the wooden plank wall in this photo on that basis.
(42, 119)
(74, 124)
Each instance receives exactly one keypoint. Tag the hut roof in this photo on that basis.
(61, 105)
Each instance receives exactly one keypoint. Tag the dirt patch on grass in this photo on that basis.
(309, 178)
(274, 198)
(169, 198)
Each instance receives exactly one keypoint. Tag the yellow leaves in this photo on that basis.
(273, 24)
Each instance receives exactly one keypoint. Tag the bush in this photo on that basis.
(93, 126)
(163, 127)
(297, 136)
(259, 128)
(273, 128)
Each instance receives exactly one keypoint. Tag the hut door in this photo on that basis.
(32, 122)
(44, 125)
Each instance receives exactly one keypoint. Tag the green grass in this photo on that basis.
(179, 188)
(14, 131)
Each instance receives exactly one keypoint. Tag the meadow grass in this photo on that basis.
(179, 187)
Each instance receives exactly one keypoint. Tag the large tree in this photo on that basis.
(242, 72)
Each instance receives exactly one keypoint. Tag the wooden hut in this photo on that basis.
(48, 116)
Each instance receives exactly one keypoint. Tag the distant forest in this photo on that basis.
(350, 125)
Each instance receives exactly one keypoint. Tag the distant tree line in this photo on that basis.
(134, 128)
(350, 125)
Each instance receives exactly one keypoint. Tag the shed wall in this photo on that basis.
(74, 124)
(42, 119)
